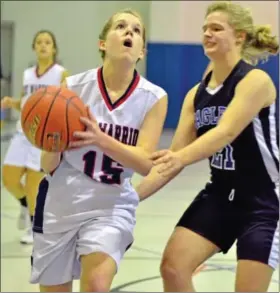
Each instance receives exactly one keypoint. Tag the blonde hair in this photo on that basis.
(109, 24)
(259, 43)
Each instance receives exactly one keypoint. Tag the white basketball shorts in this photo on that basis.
(55, 257)
(21, 153)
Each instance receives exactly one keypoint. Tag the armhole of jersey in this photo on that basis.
(198, 90)
(162, 93)
(67, 84)
(64, 75)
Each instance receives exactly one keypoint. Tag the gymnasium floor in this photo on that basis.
(139, 272)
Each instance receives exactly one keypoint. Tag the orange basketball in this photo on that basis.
(50, 116)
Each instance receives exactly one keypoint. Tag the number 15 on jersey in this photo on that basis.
(110, 170)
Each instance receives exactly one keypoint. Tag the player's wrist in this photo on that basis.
(103, 140)
(182, 157)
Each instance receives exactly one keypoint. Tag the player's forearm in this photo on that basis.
(205, 146)
(153, 182)
(50, 161)
(129, 156)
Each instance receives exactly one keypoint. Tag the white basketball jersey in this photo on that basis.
(32, 81)
(121, 120)
(89, 183)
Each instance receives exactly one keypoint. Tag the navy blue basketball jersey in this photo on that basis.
(251, 160)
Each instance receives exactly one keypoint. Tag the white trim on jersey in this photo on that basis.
(273, 130)
(264, 149)
(273, 258)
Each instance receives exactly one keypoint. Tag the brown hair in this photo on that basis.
(110, 21)
(259, 43)
(51, 34)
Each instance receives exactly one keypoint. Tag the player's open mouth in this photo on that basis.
(128, 43)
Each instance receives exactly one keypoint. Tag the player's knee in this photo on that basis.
(173, 271)
(97, 282)
(168, 270)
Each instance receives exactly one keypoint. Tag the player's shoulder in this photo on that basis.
(82, 77)
(30, 69)
(59, 67)
(151, 88)
(55, 67)
(257, 74)
(194, 90)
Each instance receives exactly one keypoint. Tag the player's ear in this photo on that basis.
(143, 53)
(102, 45)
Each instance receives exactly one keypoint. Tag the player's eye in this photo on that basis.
(120, 26)
(137, 30)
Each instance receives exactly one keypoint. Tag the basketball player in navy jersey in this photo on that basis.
(22, 159)
(229, 118)
(85, 211)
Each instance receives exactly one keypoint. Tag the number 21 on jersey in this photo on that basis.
(224, 159)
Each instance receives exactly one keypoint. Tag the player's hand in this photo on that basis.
(171, 162)
(90, 136)
(7, 102)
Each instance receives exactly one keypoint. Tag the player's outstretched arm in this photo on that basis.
(253, 93)
(184, 135)
(134, 157)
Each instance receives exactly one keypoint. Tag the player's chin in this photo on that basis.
(44, 55)
(128, 58)
(210, 52)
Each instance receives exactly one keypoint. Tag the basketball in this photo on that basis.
(50, 116)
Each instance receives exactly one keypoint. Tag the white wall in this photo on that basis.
(182, 21)
(76, 25)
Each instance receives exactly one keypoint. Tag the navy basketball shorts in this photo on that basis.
(250, 217)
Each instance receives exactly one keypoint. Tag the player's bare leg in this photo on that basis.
(184, 253)
(252, 276)
(98, 271)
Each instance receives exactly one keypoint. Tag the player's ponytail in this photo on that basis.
(260, 44)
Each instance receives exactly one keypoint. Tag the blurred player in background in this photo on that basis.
(21, 171)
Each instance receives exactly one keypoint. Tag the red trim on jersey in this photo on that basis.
(47, 69)
(111, 106)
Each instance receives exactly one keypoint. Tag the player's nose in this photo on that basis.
(129, 32)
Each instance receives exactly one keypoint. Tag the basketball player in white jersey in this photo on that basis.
(85, 212)
(22, 159)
